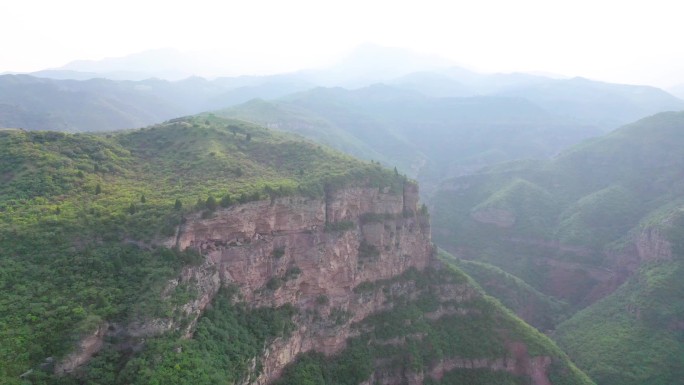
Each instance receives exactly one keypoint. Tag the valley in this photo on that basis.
(349, 225)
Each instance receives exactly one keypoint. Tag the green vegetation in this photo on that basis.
(376, 218)
(604, 215)
(77, 240)
(537, 309)
(478, 377)
(404, 339)
(602, 191)
(278, 252)
(339, 226)
(367, 252)
(228, 337)
(608, 193)
(635, 335)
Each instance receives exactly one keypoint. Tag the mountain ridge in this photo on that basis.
(598, 226)
(148, 249)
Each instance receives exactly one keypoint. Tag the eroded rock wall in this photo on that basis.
(281, 252)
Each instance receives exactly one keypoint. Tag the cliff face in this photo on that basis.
(336, 260)
(310, 253)
(647, 245)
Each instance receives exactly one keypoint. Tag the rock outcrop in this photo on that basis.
(305, 252)
(292, 250)
(336, 260)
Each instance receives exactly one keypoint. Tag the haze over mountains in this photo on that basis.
(368, 64)
(417, 112)
(227, 211)
(598, 227)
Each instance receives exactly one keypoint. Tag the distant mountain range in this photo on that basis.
(367, 64)
(151, 86)
(430, 124)
(101, 104)
(130, 91)
(429, 138)
(416, 112)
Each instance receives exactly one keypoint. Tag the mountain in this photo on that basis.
(599, 227)
(207, 250)
(539, 310)
(370, 63)
(165, 63)
(69, 105)
(578, 102)
(605, 105)
(101, 104)
(364, 65)
(426, 137)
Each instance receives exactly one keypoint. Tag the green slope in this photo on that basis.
(589, 197)
(537, 309)
(578, 226)
(635, 335)
(78, 214)
(403, 344)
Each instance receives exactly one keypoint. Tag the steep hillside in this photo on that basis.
(537, 309)
(635, 335)
(436, 328)
(207, 250)
(78, 214)
(429, 138)
(602, 215)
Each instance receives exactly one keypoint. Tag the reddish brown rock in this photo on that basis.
(249, 245)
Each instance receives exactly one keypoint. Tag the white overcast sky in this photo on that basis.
(638, 42)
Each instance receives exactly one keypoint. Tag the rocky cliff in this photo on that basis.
(647, 244)
(310, 253)
(341, 262)
(307, 252)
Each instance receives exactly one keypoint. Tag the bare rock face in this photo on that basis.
(651, 245)
(648, 245)
(279, 252)
(317, 255)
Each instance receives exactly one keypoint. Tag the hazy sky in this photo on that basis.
(622, 41)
